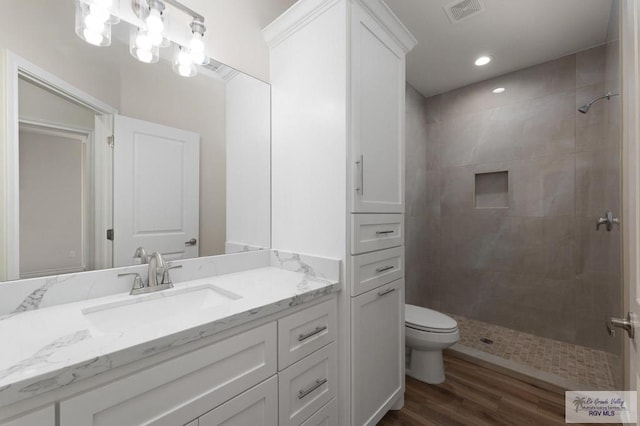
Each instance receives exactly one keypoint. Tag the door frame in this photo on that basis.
(630, 70)
(15, 67)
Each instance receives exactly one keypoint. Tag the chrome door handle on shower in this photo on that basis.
(608, 220)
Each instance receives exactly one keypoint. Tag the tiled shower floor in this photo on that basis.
(588, 369)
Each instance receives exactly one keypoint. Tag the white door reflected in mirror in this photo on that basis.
(155, 190)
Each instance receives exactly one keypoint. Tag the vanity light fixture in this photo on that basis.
(482, 61)
(498, 90)
(183, 63)
(94, 19)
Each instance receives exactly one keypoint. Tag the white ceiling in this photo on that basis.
(516, 33)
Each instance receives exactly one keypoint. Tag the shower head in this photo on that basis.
(585, 108)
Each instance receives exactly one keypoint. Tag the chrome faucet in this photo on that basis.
(159, 278)
(157, 269)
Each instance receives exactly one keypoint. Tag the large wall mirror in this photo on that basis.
(106, 154)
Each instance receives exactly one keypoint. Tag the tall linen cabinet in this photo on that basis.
(338, 112)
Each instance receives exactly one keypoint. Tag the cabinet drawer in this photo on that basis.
(42, 417)
(307, 385)
(371, 270)
(326, 416)
(305, 332)
(256, 407)
(370, 232)
(181, 389)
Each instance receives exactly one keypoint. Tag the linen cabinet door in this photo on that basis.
(378, 87)
(377, 369)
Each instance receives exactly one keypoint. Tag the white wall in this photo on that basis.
(249, 159)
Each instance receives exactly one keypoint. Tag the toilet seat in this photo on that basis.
(428, 320)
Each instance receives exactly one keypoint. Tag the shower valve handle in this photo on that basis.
(607, 220)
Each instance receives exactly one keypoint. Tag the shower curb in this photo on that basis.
(541, 379)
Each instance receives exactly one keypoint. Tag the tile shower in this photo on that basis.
(503, 192)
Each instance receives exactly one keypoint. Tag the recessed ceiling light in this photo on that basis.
(482, 60)
(499, 90)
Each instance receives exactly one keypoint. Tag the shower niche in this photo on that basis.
(491, 190)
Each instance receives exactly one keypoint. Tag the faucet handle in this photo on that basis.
(166, 279)
(137, 281)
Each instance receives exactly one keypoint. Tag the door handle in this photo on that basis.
(191, 242)
(360, 164)
(624, 323)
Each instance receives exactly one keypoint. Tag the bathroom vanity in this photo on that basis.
(256, 346)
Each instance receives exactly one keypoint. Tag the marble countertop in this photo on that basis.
(46, 349)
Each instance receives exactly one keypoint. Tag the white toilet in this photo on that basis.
(427, 333)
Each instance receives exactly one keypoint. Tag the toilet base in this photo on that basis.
(426, 366)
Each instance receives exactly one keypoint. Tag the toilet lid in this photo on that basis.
(428, 320)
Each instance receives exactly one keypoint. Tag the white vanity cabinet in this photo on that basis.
(42, 417)
(235, 381)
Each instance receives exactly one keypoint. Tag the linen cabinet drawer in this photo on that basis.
(326, 416)
(307, 385)
(370, 232)
(177, 391)
(305, 332)
(371, 270)
(256, 407)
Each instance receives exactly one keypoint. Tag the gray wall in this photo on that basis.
(538, 265)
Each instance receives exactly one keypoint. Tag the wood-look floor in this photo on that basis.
(475, 395)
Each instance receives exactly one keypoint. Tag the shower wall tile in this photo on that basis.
(591, 66)
(523, 85)
(544, 187)
(597, 181)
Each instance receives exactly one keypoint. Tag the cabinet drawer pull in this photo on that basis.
(304, 392)
(384, 268)
(385, 292)
(383, 232)
(303, 337)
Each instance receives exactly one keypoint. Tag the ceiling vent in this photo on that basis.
(459, 11)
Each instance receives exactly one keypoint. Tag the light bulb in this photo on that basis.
(154, 22)
(92, 37)
(143, 41)
(94, 23)
(198, 57)
(144, 55)
(184, 70)
(184, 58)
(155, 38)
(100, 13)
(196, 44)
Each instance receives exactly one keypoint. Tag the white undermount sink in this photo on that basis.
(136, 311)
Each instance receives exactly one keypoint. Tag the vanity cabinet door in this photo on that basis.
(256, 407)
(43, 417)
(377, 369)
(181, 389)
(378, 87)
